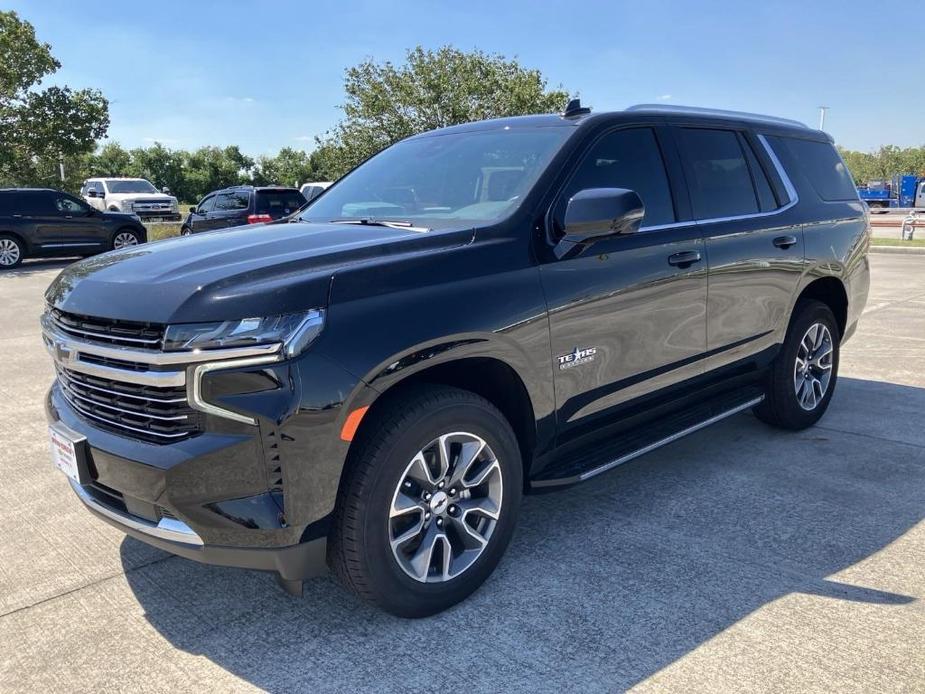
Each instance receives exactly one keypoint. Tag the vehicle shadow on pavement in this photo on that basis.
(35, 267)
(604, 584)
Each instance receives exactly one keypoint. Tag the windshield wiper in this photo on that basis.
(369, 221)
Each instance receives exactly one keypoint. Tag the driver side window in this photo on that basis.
(69, 206)
(205, 205)
(623, 159)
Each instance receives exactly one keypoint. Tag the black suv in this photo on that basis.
(45, 223)
(488, 310)
(241, 205)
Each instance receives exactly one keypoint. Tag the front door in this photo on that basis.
(627, 316)
(66, 225)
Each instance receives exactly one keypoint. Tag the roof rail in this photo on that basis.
(664, 108)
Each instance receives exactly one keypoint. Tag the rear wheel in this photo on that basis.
(11, 251)
(803, 375)
(125, 237)
(429, 503)
(186, 231)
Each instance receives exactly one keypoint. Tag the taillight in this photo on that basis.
(258, 218)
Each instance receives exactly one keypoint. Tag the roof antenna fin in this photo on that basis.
(575, 108)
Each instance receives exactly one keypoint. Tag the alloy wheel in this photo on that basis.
(445, 508)
(9, 252)
(812, 371)
(124, 239)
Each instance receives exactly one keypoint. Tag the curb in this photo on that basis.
(899, 250)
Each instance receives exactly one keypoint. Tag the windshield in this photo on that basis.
(130, 187)
(439, 181)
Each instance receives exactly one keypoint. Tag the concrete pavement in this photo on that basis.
(738, 559)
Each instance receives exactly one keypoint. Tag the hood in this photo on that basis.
(234, 273)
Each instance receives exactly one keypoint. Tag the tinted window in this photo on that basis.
(205, 205)
(624, 159)
(231, 201)
(278, 202)
(766, 199)
(35, 202)
(825, 170)
(717, 175)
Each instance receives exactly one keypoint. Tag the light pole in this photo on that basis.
(822, 110)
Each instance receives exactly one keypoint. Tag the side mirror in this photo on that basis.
(598, 213)
(192, 210)
(91, 193)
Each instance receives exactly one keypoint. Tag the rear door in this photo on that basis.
(754, 247)
(230, 210)
(626, 318)
(278, 203)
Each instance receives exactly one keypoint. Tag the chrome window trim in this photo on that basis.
(794, 198)
(167, 529)
(194, 389)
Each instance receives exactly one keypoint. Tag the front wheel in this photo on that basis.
(803, 375)
(186, 231)
(429, 503)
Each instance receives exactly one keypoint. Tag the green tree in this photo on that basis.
(40, 127)
(112, 160)
(432, 89)
(290, 167)
(210, 168)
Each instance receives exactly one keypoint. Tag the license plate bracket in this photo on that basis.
(69, 452)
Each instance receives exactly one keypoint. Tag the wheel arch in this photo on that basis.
(830, 291)
(486, 376)
(16, 235)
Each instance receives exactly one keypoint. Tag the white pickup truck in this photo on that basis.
(133, 195)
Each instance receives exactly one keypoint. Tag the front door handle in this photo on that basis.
(684, 258)
(785, 241)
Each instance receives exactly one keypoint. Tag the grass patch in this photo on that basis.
(915, 243)
(156, 232)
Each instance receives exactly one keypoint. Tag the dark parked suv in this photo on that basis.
(241, 205)
(45, 223)
(473, 314)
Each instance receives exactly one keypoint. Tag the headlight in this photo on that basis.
(294, 330)
(127, 205)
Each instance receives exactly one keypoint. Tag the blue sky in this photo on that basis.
(268, 75)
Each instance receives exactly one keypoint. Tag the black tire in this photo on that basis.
(12, 251)
(185, 231)
(124, 232)
(781, 406)
(359, 551)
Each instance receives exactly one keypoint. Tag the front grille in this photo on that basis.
(154, 414)
(154, 205)
(109, 332)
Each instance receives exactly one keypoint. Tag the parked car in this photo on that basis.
(45, 223)
(241, 205)
(376, 384)
(131, 195)
(313, 190)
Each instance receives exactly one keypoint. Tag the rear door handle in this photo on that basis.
(785, 241)
(684, 258)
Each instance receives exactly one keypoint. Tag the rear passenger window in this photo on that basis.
(766, 199)
(825, 170)
(717, 175)
(624, 159)
(278, 201)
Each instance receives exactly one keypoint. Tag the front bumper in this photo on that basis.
(155, 216)
(293, 563)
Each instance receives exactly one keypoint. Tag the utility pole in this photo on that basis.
(822, 110)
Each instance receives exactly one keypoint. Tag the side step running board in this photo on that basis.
(576, 469)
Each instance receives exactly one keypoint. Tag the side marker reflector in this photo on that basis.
(352, 423)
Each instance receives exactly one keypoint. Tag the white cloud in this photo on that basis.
(665, 97)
